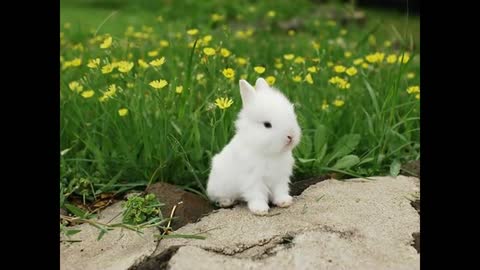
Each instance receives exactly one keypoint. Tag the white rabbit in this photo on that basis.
(256, 165)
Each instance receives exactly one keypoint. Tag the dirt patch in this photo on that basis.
(411, 168)
(416, 204)
(158, 262)
(189, 206)
(416, 241)
(296, 188)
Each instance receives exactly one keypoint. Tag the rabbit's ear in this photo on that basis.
(246, 91)
(261, 84)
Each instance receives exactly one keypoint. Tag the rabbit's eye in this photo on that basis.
(267, 124)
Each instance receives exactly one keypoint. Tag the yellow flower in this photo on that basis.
(125, 66)
(297, 78)
(241, 61)
(152, 53)
(130, 85)
(365, 65)
(270, 80)
(309, 78)
(142, 63)
(334, 80)
(358, 61)
(259, 69)
(351, 71)
(339, 68)
(413, 89)
(316, 60)
(225, 52)
(78, 47)
(158, 62)
(107, 68)
(299, 60)
(271, 14)
(347, 54)
(325, 105)
(229, 73)
(123, 112)
(372, 58)
(315, 45)
(410, 75)
(106, 43)
(179, 89)
(417, 96)
(291, 32)
(387, 43)
(76, 62)
(158, 84)
(392, 58)
(375, 57)
(330, 64)
(209, 51)
(88, 93)
(404, 58)
(338, 102)
(241, 34)
(164, 43)
(192, 32)
(216, 17)
(341, 83)
(75, 86)
(112, 89)
(207, 39)
(223, 103)
(343, 32)
(93, 63)
(312, 69)
(289, 56)
(199, 76)
(278, 65)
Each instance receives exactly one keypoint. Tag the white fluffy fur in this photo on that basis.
(257, 163)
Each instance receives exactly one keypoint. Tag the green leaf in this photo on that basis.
(101, 234)
(346, 162)
(320, 138)
(395, 168)
(302, 160)
(72, 232)
(181, 236)
(320, 143)
(366, 160)
(75, 210)
(373, 96)
(321, 153)
(305, 147)
(176, 127)
(345, 146)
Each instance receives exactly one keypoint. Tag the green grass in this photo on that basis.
(171, 137)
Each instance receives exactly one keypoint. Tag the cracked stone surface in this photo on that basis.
(118, 249)
(353, 224)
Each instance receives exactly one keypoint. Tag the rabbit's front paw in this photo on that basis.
(284, 201)
(225, 203)
(259, 208)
